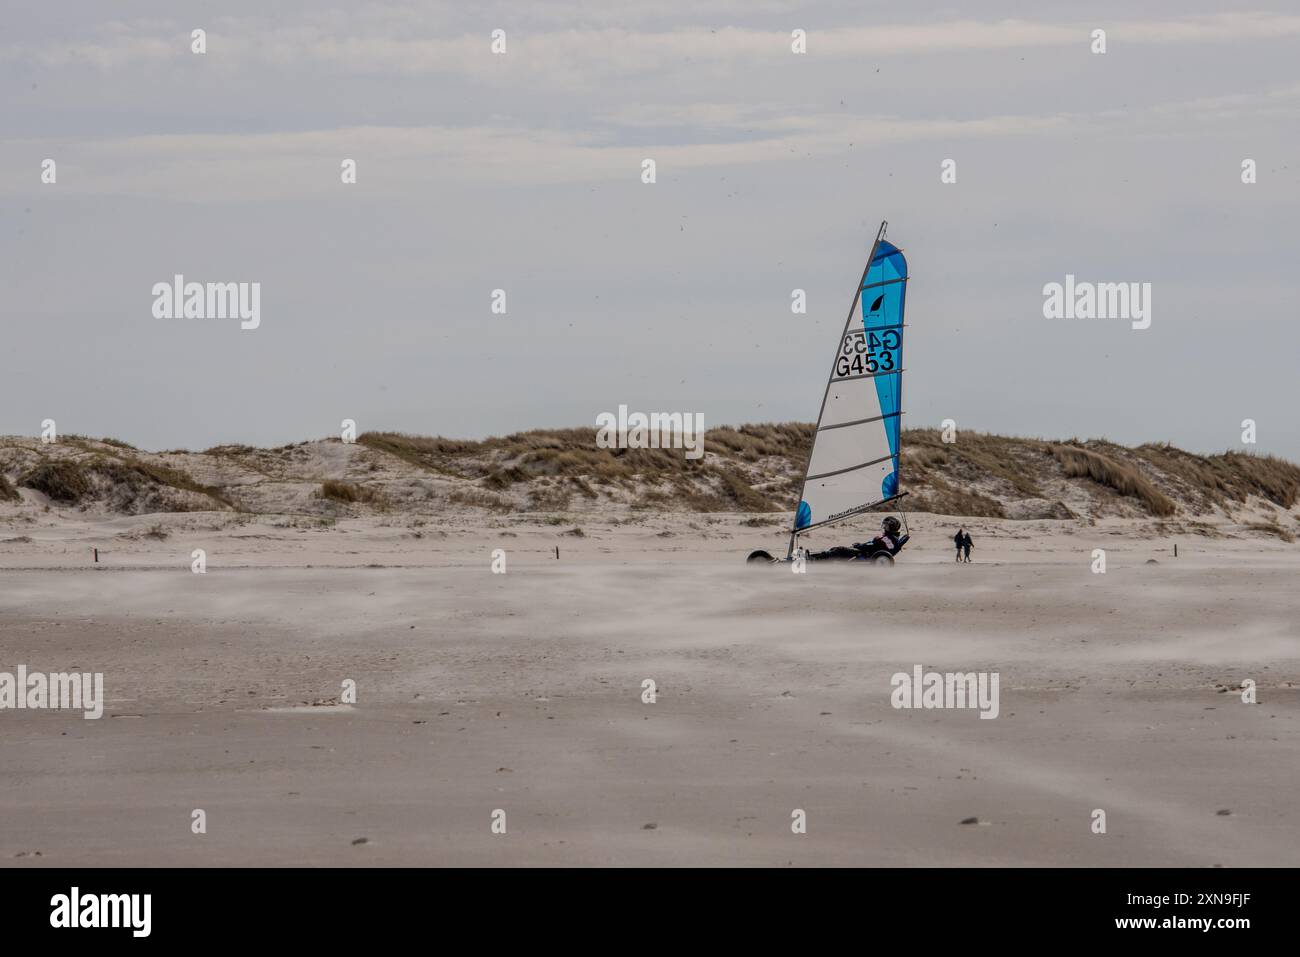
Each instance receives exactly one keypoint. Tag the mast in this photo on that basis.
(857, 294)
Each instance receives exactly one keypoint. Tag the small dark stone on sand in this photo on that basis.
(361, 840)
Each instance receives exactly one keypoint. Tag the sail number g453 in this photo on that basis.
(867, 352)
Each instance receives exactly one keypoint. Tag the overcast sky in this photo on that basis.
(523, 172)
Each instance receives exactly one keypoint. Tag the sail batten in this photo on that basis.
(851, 468)
(840, 425)
(869, 375)
(854, 462)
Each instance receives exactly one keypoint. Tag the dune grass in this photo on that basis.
(1272, 528)
(1081, 463)
(129, 470)
(973, 457)
(478, 498)
(431, 453)
(120, 477)
(63, 481)
(7, 491)
(352, 493)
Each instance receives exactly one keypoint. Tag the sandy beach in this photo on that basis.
(523, 692)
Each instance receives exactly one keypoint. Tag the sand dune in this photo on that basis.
(752, 469)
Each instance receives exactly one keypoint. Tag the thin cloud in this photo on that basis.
(400, 46)
(216, 167)
(393, 160)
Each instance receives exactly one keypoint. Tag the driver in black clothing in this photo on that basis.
(887, 541)
(888, 537)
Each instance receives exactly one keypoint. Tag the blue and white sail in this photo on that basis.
(855, 454)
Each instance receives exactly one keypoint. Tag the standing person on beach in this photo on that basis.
(966, 544)
(959, 539)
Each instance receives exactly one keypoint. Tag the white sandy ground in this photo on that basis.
(523, 692)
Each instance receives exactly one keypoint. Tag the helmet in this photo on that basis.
(890, 525)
